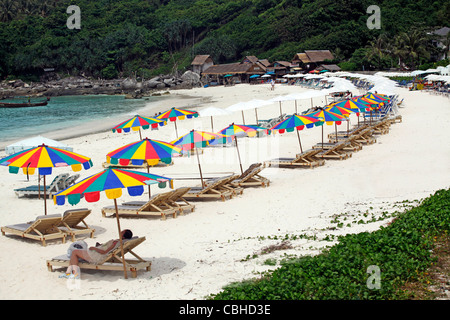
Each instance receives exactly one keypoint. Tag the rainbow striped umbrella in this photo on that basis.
(377, 97)
(44, 158)
(195, 139)
(111, 181)
(219, 138)
(176, 113)
(138, 122)
(298, 122)
(145, 150)
(329, 118)
(241, 130)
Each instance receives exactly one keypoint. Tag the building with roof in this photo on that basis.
(311, 59)
(201, 63)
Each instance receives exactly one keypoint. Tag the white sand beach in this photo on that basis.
(196, 254)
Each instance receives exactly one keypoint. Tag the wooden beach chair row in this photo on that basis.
(306, 159)
(113, 260)
(51, 227)
(162, 204)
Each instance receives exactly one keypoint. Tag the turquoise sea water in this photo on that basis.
(64, 112)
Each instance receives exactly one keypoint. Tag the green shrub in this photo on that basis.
(401, 250)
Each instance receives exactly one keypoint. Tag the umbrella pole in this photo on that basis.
(39, 185)
(140, 134)
(199, 167)
(322, 137)
(281, 111)
(120, 240)
(239, 155)
(45, 197)
(335, 130)
(243, 120)
(295, 106)
(176, 129)
(256, 115)
(212, 124)
(299, 142)
(149, 191)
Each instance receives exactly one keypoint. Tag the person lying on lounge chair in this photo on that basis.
(93, 254)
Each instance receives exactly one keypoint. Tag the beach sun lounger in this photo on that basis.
(175, 199)
(215, 189)
(73, 223)
(113, 261)
(251, 177)
(336, 151)
(306, 159)
(157, 205)
(43, 228)
(55, 186)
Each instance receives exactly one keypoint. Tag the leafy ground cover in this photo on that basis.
(411, 255)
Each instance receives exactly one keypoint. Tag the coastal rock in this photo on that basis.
(190, 78)
(128, 84)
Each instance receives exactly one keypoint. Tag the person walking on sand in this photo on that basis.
(272, 83)
(92, 255)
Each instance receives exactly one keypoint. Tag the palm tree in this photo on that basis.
(377, 50)
(412, 46)
(8, 10)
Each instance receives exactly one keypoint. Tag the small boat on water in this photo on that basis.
(23, 104)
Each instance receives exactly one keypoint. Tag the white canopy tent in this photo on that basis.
(34, 142)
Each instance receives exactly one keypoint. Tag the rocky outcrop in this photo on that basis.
(81, 85)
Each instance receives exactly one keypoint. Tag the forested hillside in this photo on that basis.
(148, 37)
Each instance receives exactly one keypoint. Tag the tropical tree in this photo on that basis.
(8, 10)
(411, 46)
(377, 50)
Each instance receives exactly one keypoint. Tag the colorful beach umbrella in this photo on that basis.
(193, 140)
(136, 123)
(377, 97)
(111, 181)
(176, 113)
(145, 151)
(328, 117)
(44, 158)
(298, 122)
(242, 130)
(342, 111)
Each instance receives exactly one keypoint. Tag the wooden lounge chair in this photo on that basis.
(176, 199)
(251, 177)
(55, 186)
(214, 189)
(334, 152)
(73, 224)
(42, 229)
(226, 185)
(306, 159)
(113, 261)
(70, 180)
(157, 205)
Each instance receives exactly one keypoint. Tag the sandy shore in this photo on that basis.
(196, 254)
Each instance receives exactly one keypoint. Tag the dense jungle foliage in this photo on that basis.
(148, 37)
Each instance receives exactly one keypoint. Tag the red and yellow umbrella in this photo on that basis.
(193, 140)
(138, 122)
(329, 118)
(176, 113)
(298, 122)
(111, 181)
(45, 158)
